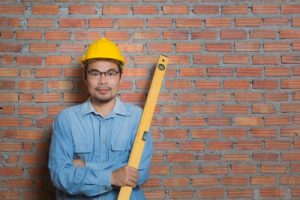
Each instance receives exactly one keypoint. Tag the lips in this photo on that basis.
(102, 90)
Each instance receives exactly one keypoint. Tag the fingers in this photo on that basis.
(78, 163)
(125, 176)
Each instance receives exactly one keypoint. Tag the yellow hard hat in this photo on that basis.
(104, 48)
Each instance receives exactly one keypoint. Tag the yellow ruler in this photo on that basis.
(139, 142)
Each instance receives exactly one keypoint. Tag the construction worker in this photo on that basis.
(91, 142)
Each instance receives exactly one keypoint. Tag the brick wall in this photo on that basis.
(227, 124)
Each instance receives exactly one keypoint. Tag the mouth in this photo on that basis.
(102, 90)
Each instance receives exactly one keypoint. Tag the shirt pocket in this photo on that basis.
(120, 150)
(82, 150)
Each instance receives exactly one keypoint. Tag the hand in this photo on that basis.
(78, 163)
(125, 176)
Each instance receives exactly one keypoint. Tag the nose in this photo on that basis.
(102, 79)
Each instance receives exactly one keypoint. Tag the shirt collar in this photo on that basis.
(119, 108)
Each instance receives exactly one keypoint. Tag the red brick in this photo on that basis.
(271, 192)
(233, 34)
(117, 35)
(218, 96)
(265, 60)
(116, 10)
(82, 9)
(188, 47)
(290, 9)
(240, 193)
(146, 35)
(159, 47)
(248, 22)
(278, 145)
(236, 59)
(20, 183)
(275, 21)
(30, 135)
(10, 147)
(12, 9)
(11, 171)
(247, 46)
(188, 23)
(30, 85)
(265, 9)
(289, 132)
(72, 23)
(7, 84)
(29, 60)
(249, 145)
(208, 35)
(206, 84)
(265, 157)
(57, 35)
(180, 157)
(145, 10)
(289, 34)
(248, 121)
(236, 157)
(277, 120)
(234, 9)
(45, 9)
(214, 170)
(206, 59)
(206, 9)
(218, 47)
(8, 72)
(236, 84)
(101, 23)
(58, 60)
(243, 169)
(191, 121)
(30, 110)
(192, 146)
(176, 182)
(235, 109)
(175, 9)
(10, 47)
(40, 23)
(278, 71)
(290, 84)
(47, 97)
(212, 193)
(159, 23)
(70, 47)
(296, 22)
(42, 47)
(189, 97)
(265, 84)
(218, 22)
(219, 71)
(234, 180)
(8, 97)
(87, 35)
(207, 109)
(290, 59)
(290, 156)
(263, 108)
(6, 34)
(203, 181)
(181, 194)
(131, 23)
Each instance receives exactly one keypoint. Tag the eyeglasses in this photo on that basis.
(97, 74)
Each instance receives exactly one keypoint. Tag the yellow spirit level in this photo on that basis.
(139, 142)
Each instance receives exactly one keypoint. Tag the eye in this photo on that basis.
(112, 73)
(94, 74)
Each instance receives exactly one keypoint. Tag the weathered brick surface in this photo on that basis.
(227, 123)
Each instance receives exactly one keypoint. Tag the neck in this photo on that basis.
(103, 108)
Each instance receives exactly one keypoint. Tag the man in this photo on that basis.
(91, 142)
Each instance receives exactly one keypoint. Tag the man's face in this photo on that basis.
(102, 80)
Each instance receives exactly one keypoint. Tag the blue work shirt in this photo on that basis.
(104, 143)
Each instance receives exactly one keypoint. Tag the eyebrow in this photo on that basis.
(96, 70)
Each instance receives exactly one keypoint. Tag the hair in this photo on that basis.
(86, 63)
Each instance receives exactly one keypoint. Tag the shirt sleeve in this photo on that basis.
(145, 162)
(90, 180)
